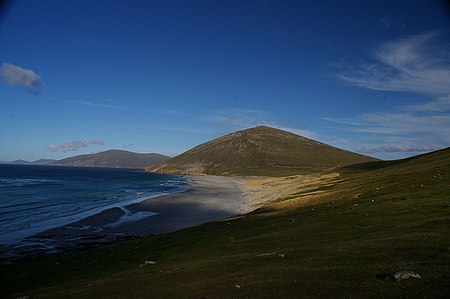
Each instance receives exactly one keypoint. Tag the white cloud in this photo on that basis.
(415, 64)
(67, 147)
(16, 75)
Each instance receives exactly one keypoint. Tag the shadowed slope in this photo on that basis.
(433, 159)
(259, 151)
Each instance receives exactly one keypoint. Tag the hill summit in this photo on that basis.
(262, 151)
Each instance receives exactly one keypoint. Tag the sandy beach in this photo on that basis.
(208, 198)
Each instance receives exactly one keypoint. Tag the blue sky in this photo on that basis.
(163, 76)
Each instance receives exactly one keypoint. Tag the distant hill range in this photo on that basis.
(44, 161)
(259, 151)
(111, 158)
(40, 161)
(114, 158)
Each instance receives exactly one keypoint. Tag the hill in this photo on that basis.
(113, 158)
(337, 238)
(259, 151)
(20, 162)
(44, 161)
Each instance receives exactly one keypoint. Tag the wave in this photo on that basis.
(35, 200)
(7, 182)
(53, 221)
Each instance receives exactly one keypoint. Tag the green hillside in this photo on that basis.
(259, 151)
(363, 224)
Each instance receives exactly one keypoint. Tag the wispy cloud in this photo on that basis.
(387, 22)
(74, 145)
(98, 105)
(97, 142)
(185, 130)
(401, 148)
(298, 131)
(246, 111)
(419, 63)
(219, 122)
(417, 128)
(16, 75)
(237, 119)
(441, 104)
(175, 112)
(397, 124)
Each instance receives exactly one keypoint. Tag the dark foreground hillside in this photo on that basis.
(366, 223)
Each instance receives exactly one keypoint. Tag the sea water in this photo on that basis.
(35, 198)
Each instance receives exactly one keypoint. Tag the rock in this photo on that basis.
(401, 275)
(147, 263)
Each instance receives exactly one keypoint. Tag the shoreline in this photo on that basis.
(206, 199)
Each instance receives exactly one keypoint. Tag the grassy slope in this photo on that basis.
(368, 223)
(259, 151)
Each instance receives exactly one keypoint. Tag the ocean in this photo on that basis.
(35, 198)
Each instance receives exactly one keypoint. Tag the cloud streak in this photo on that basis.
(401, 148)
(16, 75)
(417, 128)
(397, 124)
(97, 142)
(238, 119)
(72, 146)
(92, 104)
(417, 64)
(441, 104)
(414, 64)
